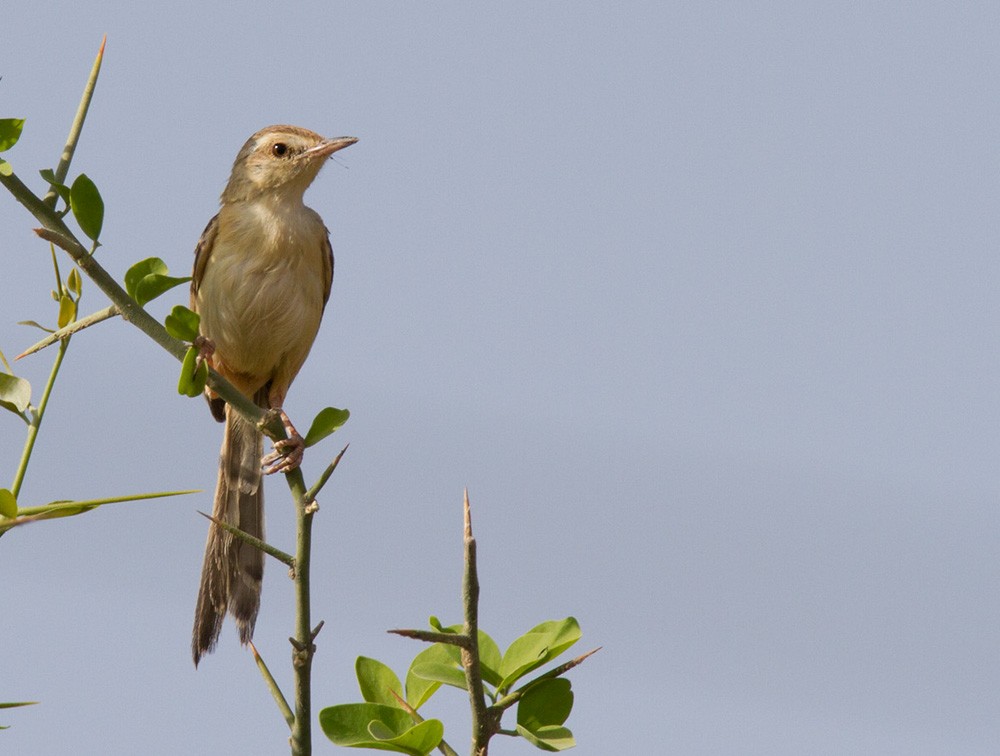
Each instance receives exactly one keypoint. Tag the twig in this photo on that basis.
(313, 492)
(430, 636)
(74, 327)
(77, 126)
(272, 685)
(257, 543)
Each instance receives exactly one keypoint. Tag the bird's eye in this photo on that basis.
(280, 149)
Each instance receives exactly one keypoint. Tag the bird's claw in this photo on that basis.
(205, 347)
(288, 452)
(287, 455)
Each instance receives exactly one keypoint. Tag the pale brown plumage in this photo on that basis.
(262, 274)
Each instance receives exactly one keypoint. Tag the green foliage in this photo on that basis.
(15, 393)
(543, 704)
(10, 132)
(536, 647)
(148, 279)
(541, 712)
(377, 681)
(326, 422)
(57, 186)
(194, 374)
(8, 504)
(87, 206)
(380, 727)
(182, 323)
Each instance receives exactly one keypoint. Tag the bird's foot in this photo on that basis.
(205, 347)
(288, 452)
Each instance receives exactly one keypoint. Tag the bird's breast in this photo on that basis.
(261, 295)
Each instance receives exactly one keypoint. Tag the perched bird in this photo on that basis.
(262, 274)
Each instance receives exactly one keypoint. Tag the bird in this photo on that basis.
(263, 269)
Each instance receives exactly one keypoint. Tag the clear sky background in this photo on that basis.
(698, 299)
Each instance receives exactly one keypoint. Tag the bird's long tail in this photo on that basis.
(232, 571)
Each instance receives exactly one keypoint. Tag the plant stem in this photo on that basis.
(74, 130)
(303, 648)
(483, 725)
(36, 419)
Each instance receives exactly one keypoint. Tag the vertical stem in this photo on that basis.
(482, 725)
(36, 419)
(303, 647)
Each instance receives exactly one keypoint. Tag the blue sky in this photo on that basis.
(698, 299)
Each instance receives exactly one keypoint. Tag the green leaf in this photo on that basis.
(489, 659)
(420, 689)
(8, 504)
(541, 712)
(74, 283)
(87, 206)
(148, 267)
(326, 422)
(148, 279)
(150, 287)
(380, 727)
(67, 310)
(15, 393)
(10, 132)
(376, 680)
(191, 381)
(61, 189)
(440, 672)
(19, 703)
(489, 652)
(551, 738)
(182, 323)
(5, 170)
(536, 647)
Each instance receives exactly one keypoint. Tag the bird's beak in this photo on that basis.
(329, 146)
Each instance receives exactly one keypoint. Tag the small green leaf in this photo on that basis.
(74, 283)
(489, 652)
(87, 205)
(380, 727)
(19, 703)
(182, 323)
(148, 279)
(326, 422)
(8, 504)
(10, 132)
(149, 266)
(536, 647)
(440, 672)
(152, 286)
(541, 712)
(547, 702)
(61, 189)
(67, 310)
(5, 170)
(15, 393)
(420, 689)
(548, 738)
(376, 680)
(187, 383)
